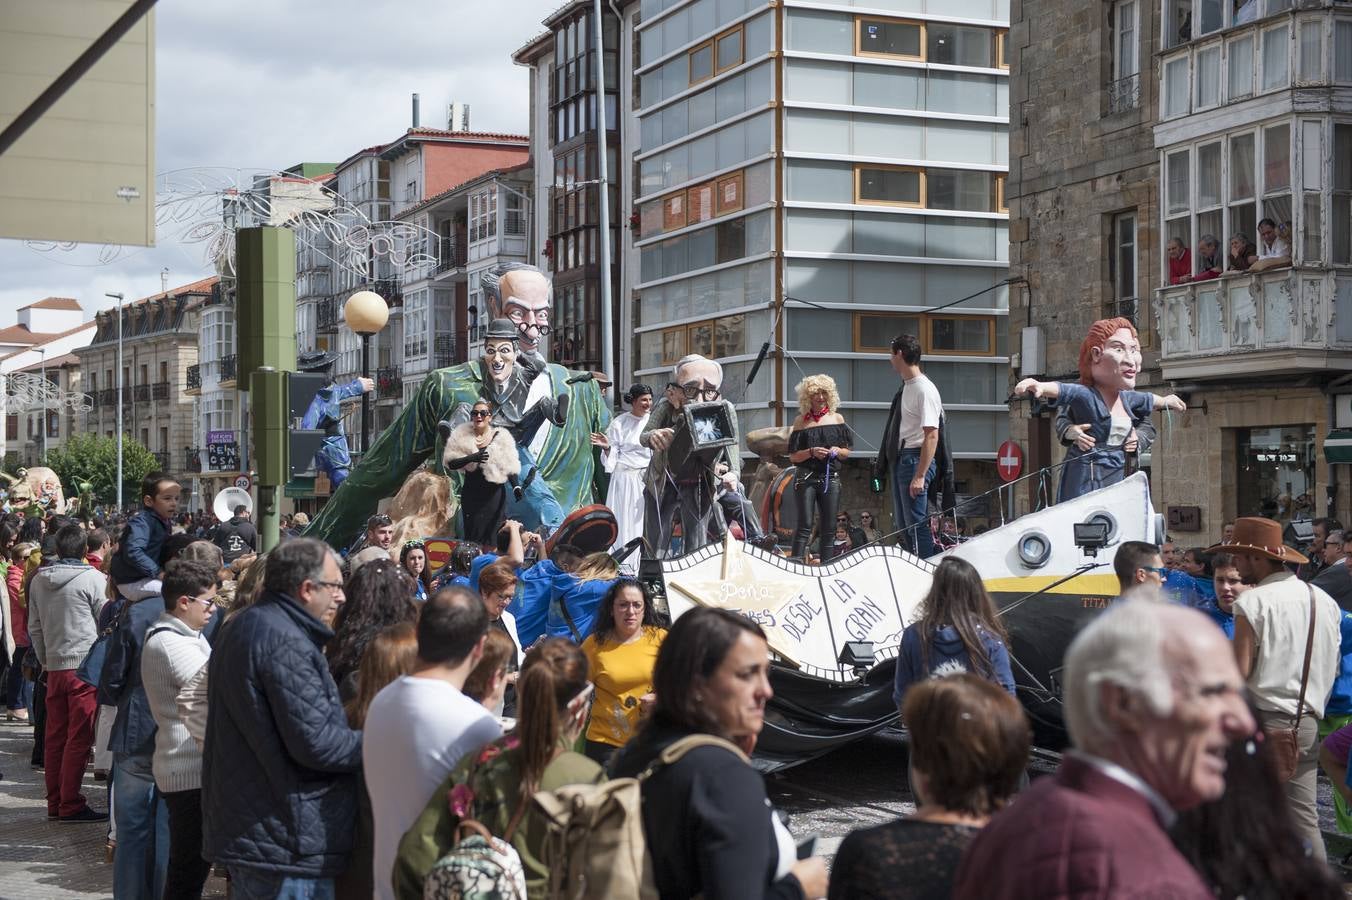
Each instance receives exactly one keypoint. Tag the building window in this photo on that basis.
(715, 338)
(1126, 44)
(1276, 50)
(892, 185)
(1275, 477)
(728, 196)
(483, 212)
(1122, 265)
(943, 43)
(961, 335)
(939, 189)
(939, 335)
(728, 49)
(1342, 194)
(513, 219)
(890, 37)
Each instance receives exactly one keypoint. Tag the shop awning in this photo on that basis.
(1338, 446)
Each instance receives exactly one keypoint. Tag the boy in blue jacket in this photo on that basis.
(135, 568)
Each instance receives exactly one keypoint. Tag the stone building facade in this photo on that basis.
(159, 344)
(1204, 123)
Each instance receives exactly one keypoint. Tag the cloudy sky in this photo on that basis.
(251, 84)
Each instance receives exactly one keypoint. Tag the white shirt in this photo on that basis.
(921, 407)
(625, 451)
(416, 730)
(1278, 249)
(1278, 611)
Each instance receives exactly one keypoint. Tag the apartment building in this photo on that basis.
(827, 176)
(50, 330)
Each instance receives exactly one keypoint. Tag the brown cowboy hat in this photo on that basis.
(1263, 537)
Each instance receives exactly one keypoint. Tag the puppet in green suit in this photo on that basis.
(564, 455)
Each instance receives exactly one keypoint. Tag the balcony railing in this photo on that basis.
(443, 351)
(194, 378)
(162, 460)
(389, 383)
(228, 364)
(326, 314)
(108, 398)
(141, 393)
(391, 289)
(450, 255)
(1124, 94)
(1282, 321)
(192, 459)
(159, 390)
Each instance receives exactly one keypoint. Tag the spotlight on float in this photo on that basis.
(858, 655)
(1091, 536)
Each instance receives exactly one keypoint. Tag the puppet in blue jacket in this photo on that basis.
(325, 413)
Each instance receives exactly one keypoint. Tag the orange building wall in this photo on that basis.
(446, 165)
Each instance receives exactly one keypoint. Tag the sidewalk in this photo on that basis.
(41, 860)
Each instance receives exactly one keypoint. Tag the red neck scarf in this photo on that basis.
(810, 416)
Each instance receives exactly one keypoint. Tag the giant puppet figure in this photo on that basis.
(684, 481)
(326, 414)
(1104, 409)
(561, 455)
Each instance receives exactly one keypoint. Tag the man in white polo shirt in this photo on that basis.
(420, 725)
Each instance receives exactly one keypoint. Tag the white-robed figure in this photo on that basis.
(626, 460)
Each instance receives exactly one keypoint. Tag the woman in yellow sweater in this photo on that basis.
(621, 652)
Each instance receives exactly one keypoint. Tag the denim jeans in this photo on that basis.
(259, 884)
(142, 820)
(913, 510)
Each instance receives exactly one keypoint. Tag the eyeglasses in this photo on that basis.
(335, 587)
(480, 413)
(694, 392)
(205, 601)
(866, 516)
(1161, 571)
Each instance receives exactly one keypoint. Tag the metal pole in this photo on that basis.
(42, 354)
(607, 326)
(119, 400)
(366, 395)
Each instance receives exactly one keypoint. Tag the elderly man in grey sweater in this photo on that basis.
(64, 599)
(175, 651)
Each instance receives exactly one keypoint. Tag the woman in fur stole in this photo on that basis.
(488, 458)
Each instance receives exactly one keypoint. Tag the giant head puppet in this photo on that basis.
(1110, 356)
(1102, 417)
(522, 295)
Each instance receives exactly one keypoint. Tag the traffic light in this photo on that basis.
(282, 449)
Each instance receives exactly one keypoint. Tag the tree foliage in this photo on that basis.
(93, 458)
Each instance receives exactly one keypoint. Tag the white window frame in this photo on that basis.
(1120, 252)
(1126, 60)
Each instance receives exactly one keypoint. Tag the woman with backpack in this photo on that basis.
(706, 818)
(493, 786)
(958, 631)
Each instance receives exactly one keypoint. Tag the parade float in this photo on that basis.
(834, 630)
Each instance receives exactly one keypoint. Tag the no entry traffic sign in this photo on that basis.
(1009, 461)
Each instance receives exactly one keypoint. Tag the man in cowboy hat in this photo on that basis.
(1272, 637)
(326, 412)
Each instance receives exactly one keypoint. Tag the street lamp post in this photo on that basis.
(119, 299)
(366, 313)
(42, 354)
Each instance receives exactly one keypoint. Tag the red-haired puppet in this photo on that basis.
(1104, 407)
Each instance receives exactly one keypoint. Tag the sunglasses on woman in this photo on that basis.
(480, 414)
